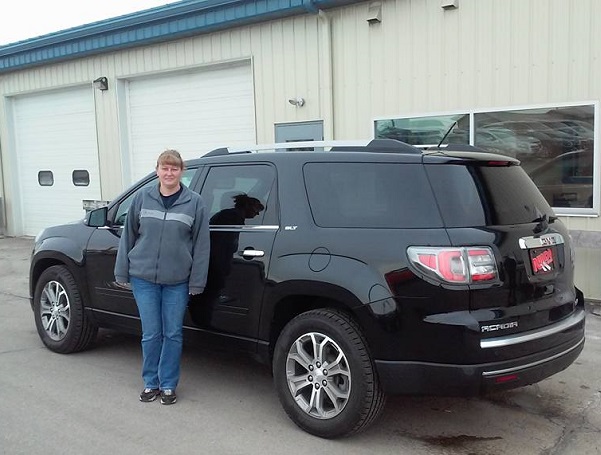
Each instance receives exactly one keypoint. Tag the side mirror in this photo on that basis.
(97, 217)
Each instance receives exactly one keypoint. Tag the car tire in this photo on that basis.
(329, 404)
(60, 318)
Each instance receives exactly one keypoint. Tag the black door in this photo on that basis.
(108, 297)
(242, 205)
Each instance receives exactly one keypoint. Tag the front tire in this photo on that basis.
(60, 318)
(324, 375)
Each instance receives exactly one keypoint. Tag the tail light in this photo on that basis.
(465, 265)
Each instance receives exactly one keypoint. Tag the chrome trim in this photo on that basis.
(238, 227)
(299, 144)
(252, 253)
(527, 243)
(533, 364)
(222, 227)
(510, 340)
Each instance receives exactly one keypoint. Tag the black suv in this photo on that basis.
(369, 270)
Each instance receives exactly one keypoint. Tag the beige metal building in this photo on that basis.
(84, 112)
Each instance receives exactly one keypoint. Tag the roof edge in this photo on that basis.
(163, 23)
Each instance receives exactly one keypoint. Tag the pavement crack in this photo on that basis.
(578, 424)
(9, 294)
(13, 351)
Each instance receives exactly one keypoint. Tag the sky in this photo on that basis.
(24, 19)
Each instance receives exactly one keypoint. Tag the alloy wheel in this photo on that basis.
(318, 375)
(55, 310)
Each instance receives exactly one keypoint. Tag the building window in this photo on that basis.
(422, 131)
(80, 177)
(45, 178)
(555, 145)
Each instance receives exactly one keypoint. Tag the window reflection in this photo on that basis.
(421, 130)
(567, 180)
(236, 210)
(555, 144)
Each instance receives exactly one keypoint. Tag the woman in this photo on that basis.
(164, 254)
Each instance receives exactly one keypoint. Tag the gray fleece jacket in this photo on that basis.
(165, 246)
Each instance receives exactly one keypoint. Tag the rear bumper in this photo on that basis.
(422, 378)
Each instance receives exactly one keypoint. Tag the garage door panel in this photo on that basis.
(55, 132)
(192, 112)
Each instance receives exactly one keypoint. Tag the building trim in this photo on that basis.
(164, 23)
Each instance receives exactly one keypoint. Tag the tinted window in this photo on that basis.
(370, 195)
(239, 195)
(481, 196)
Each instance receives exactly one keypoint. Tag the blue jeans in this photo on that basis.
(162, 309)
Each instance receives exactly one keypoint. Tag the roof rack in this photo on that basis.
(374, 145)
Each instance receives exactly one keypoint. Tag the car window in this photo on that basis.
(370, 195)
(480, 195)
(240, 195)
(121, 213)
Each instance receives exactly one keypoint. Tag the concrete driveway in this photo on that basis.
(88, 402)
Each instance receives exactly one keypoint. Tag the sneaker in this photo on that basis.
(149, 395)
(168, 396)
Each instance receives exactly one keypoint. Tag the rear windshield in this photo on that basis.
(370, 195)
(485, 196)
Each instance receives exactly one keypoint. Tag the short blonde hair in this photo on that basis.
(171, 158)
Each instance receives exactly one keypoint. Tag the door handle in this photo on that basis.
(249, 254)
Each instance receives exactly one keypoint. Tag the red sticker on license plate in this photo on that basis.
(542, 260)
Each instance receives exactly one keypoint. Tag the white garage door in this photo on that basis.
(57, 156)
(191, 112)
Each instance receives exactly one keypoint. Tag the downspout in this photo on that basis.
(326, 75)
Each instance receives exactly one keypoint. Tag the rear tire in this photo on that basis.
(324, 375)
(60, 317)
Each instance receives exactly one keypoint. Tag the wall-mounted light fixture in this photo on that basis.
(298, 101)
(102, 83)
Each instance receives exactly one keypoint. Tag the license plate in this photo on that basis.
(542, 260)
